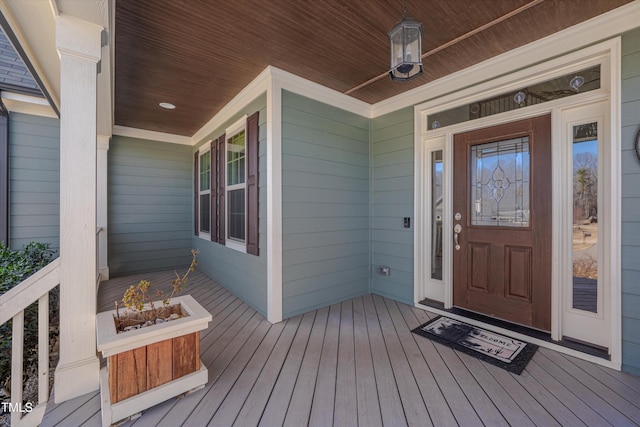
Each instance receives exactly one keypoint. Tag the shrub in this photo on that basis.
(16, 266)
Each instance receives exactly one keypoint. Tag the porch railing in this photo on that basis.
(12, 306)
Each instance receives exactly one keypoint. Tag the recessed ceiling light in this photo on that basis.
(167, 105)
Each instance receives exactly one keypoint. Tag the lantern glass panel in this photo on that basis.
(412, 36)
(396, 48)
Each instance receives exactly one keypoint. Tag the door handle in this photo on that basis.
(456, 232)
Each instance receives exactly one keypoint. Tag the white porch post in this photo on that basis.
(79, 45)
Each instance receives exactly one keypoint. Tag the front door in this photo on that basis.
(502, 222)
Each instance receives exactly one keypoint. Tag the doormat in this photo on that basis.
(491, 347)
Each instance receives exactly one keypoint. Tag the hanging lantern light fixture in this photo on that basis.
(406, 48)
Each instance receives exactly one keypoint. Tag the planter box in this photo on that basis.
(149, 365)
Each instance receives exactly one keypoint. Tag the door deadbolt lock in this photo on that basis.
(457, 216)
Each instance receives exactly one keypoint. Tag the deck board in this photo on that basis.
(346, 397)
(278, 403)
(299, 408)
(623, 411)
(413, 405)
(368, 404)
(583, 411)
(253, 404)
(436, 404)
(233, 401)
(531, 397)
(501, 398)
(388, 393)
(629, 391)
(324, 395)
(455, 397)
(226, 379)
(357, 363)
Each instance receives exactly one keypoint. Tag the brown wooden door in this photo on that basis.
(502, 209)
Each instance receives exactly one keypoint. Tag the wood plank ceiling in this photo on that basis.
(199, 54)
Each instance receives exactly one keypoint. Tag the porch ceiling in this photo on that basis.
(199, 55)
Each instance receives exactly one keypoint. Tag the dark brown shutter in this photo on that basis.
(252, 184)
(196, 227)
(213, 186)
(221, 194)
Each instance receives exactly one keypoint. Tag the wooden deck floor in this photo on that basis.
(357, 363)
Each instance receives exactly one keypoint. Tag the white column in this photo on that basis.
(101, 214)
(79, 46)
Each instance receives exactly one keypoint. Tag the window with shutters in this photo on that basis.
(226, 182)
(204, 193)
(236, 186)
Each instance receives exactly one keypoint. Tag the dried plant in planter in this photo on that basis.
(158, 307)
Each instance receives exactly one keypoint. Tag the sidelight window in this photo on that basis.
(585, 231)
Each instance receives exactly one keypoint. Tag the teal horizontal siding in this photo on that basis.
(323, 180)
(630, 259)
(325, 204)
(34, 180)
(149, 199)
(242, 274)
(392, 201)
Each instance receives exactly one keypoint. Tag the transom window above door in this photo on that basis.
(560, 87)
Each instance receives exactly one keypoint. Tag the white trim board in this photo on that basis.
(151, 135)
(274, 200)
(27, 104)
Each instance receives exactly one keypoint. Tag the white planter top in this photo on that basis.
(110, 342)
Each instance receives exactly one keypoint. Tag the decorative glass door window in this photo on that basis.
(585, 242)
(236, 183)
(500, 186)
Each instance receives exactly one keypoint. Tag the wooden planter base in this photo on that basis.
(135, 371)
(113, 412)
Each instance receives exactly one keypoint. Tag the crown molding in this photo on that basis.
(151, 135)
(304, 87)
(287, 81)
(254, 89)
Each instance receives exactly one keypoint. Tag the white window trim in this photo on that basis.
(206, 148)
(606, 53)
(235, 128)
